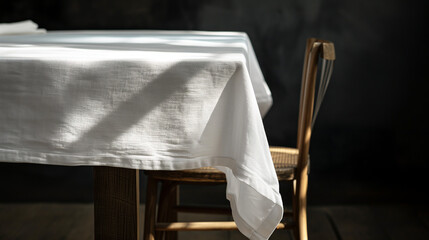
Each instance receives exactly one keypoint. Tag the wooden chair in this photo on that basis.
(291, 164)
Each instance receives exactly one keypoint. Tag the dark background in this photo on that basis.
(369, 143)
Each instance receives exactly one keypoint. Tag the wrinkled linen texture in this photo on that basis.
(143, 100)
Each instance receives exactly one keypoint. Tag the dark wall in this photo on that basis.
(373, 117)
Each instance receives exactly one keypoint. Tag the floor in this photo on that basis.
(52, 202)
(67, 221)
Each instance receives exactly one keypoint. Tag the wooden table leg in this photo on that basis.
(116, 203)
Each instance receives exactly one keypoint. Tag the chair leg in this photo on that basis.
(164, 206)
(300, 205)
(172, 214)
(149, 224)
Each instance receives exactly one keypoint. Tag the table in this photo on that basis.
(127, 100)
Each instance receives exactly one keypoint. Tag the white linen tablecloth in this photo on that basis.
(145, 100)
(23, 27)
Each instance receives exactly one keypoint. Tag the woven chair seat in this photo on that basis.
(285, 161)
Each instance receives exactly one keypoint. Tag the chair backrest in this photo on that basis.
(315, 49)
